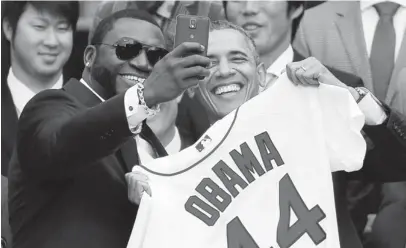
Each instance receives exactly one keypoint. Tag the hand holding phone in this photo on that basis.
(191, 28)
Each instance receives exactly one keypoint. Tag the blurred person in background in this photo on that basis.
(67, 185)
(273, 26)
(39, 37)
(367, 39)
(41, 40)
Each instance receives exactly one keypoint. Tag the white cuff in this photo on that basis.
(135, 114)
(374, 113)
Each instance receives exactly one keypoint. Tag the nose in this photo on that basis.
(224, 69)
(251, 8)
(51, 38)
(141, 62)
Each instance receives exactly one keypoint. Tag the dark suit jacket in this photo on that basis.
(66, 179)
(8, 127)
(9, 121)
(386, 145)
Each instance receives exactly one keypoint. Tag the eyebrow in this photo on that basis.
(232, 52)
(235, 52)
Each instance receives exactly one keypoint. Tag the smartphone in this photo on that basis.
(190, 28)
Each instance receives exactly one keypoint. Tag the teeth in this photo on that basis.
(133, 78)
(227, 89)
(250, 27)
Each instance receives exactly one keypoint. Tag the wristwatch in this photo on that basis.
(361, 92)
(148, 111)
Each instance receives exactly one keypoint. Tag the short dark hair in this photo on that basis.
(12, 10)
(292, 5)
(107, 23)
(222, 24)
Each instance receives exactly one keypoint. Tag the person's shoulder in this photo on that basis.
(320, 14)
(49, 99)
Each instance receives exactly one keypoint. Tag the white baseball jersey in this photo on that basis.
(260, 177)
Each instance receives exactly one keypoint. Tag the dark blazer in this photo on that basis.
(66, 179)
(386, 145)
(9, 121)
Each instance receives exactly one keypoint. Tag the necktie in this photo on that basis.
(383, 48)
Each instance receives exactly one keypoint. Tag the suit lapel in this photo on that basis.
(349, 25)
(400, 65)
(9, 119)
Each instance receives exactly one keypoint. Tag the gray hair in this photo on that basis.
(221, 25)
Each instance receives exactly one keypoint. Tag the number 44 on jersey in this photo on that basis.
(289, 198)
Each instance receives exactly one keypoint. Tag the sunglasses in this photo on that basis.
(127, 49)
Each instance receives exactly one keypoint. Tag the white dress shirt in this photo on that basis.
(370, 18)
(280, 63)
(145, 153)
(21, 94)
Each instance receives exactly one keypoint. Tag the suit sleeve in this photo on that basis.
(300, 43)
(57, 136)
(385, 160)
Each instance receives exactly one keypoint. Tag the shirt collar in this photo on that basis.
(280, 63)
(366, 4)
(20, 93)
(175, 145)
(94, 92)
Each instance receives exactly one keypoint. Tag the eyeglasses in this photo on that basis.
(127, 49)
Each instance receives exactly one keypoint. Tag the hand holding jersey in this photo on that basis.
(242, 189)
(312, 72)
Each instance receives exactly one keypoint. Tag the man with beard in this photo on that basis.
(74, 145)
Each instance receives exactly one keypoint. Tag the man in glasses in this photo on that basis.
(75, 145)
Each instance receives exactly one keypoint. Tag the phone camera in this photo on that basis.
(192, 24)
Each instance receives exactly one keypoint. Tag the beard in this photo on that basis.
(104, 77)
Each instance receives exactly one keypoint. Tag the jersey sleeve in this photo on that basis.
(342, 123)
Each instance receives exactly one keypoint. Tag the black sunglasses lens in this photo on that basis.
(156, 54)
(128, 51)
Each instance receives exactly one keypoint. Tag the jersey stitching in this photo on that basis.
(198, 162)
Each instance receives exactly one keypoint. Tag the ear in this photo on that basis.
(261, 74)
(89, 55)
(296, 12)
(7, 30)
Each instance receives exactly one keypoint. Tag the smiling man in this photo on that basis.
(236, 72)
(66, 184)
(236, 75)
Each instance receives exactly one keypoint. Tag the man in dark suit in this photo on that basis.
(33, 61)
(66, 182)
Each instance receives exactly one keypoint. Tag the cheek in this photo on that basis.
(27, 40)
(66, 42)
